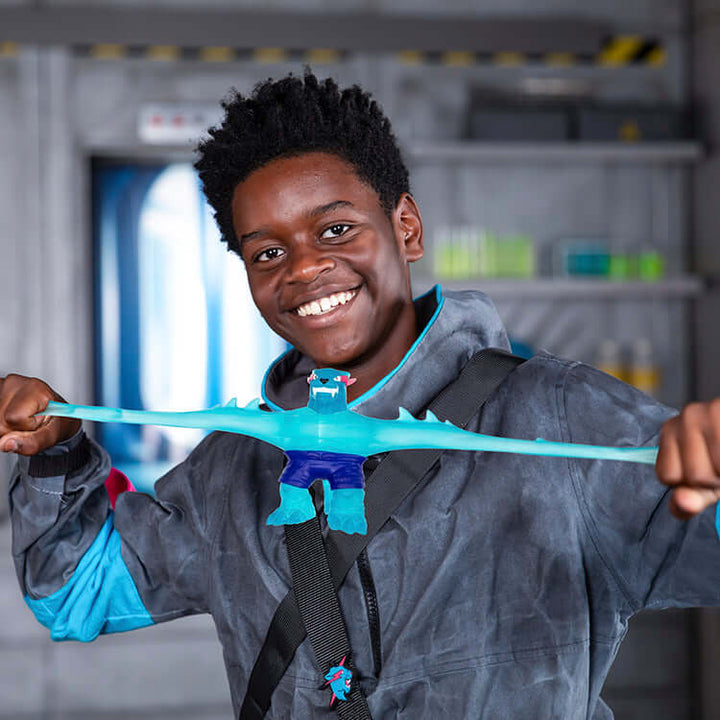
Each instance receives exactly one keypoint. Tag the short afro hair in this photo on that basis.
(293, 116)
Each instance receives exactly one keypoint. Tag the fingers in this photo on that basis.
(22, 430)
(712, 433)
(669, 465)
(31, 443)
(685, 502)
(689, 458)
(20, 399)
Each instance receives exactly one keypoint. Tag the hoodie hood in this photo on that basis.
(455, 326)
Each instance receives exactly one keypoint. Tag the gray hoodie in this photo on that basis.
(504, 582)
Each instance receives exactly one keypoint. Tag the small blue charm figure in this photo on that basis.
(342, 473)
(339, 679)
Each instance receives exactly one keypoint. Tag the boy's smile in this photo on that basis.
(327, 268)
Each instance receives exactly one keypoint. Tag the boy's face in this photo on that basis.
(327, 269)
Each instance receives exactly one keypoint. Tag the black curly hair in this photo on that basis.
(292, 116)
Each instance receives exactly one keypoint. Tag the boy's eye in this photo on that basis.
(334, 231)
(269, 254)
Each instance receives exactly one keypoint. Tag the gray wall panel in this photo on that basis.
(10, 190)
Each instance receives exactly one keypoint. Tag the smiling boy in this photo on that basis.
(502, 585)
(327, 266)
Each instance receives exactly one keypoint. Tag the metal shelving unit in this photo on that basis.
(567, 152)
(683, 287)
(569, 316)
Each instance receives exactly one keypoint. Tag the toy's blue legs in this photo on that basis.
(327, 496)
(346, 510)
(296, 506)
(344, 505)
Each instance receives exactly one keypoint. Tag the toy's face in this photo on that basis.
(327, 268)
(328, 390)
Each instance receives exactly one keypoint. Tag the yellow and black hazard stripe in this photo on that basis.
(618, 51)
(211, 54)
(632, 50)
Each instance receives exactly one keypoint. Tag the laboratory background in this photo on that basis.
(564, 157)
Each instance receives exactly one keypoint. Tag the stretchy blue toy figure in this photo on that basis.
(327, 441)
(342, 472)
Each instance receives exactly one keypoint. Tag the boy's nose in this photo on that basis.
(307, 263)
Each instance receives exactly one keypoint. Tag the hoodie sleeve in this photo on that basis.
(85, 569)
(656, 560)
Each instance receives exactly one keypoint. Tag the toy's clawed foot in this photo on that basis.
(346, 511)
(296, 507)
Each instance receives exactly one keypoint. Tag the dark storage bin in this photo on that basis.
(632, 123)
(494, 115)
(518, 122)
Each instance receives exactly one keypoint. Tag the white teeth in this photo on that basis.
(325, 304)
(327, 391)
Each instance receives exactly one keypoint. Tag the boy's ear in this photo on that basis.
(408, 227)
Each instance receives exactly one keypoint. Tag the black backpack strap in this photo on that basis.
(396, 475)
(319, 607)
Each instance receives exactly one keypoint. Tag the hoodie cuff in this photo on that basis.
(61, 459)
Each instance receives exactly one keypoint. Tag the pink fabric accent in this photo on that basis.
(117, 483)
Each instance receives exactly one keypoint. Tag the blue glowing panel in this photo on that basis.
(175, 324)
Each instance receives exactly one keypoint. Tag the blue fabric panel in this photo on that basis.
(369, 393)
(100, 597)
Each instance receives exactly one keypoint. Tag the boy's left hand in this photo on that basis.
(689, 458)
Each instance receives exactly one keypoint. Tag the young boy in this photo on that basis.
(503, 583)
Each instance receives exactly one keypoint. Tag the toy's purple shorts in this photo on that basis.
(342, 470)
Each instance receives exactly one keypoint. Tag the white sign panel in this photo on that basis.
(176, 124)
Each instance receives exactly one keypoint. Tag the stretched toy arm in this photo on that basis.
(408, 433)
(249, 420)
(349, 432)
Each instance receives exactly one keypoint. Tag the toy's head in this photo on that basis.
(328, 390)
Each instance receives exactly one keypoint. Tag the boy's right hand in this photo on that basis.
(21, 430)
